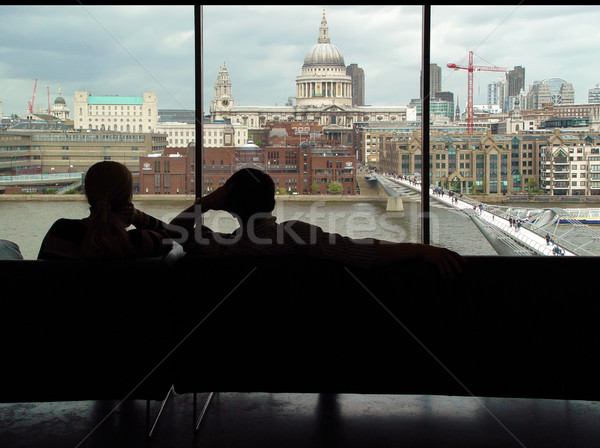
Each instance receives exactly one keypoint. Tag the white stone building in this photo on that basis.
(219, 134)
(215, 134)
(115, 113)
(179, 135)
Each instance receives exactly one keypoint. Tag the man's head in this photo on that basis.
(251, 191)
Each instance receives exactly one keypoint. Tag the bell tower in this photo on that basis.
(223, 99)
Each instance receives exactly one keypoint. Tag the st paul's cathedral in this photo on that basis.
(323, 94)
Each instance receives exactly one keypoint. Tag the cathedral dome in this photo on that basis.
(324, 54)
(60, 100)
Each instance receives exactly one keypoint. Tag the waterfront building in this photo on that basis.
(170, 172)
(296, 154)
(323, 94)
(485, 162)
(369, 136)
(55, 152)
(137, 114)
(570, 164)
(328, 165)
(560, 163)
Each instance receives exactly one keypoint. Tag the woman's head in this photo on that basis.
(108, 186)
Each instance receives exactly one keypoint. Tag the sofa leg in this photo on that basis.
(198, 419)
(150, 430)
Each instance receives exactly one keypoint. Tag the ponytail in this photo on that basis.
(106, 237)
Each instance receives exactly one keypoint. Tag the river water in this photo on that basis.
(26, 222)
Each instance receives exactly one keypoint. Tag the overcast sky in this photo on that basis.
(128, 50)
(104, 50)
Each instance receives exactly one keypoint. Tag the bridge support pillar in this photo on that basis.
(395, 204)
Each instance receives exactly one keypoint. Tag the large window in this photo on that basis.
(489, 117)
(327, 100)
(80, 84)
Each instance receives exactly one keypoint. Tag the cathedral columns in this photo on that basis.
(326, 89)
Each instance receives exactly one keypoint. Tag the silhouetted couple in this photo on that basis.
(249, 195)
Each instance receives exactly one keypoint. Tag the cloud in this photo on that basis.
(269, 44)
(127, 49)
(106, 50)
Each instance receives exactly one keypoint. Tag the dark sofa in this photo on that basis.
(506, 327)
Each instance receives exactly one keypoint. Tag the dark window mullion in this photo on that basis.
(199, 106)
(425, 92)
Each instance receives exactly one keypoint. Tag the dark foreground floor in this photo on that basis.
(306, 420)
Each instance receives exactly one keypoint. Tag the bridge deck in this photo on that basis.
(526, 237)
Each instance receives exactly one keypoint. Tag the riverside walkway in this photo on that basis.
(496, 229)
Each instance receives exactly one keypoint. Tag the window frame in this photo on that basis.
(425, 112)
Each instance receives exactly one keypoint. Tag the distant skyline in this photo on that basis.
(127, 50)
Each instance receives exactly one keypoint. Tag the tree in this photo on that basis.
(335, 188)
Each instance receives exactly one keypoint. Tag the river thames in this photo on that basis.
(26, 222)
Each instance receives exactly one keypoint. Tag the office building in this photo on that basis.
(515, 81)
(358, 84)
(138, 114)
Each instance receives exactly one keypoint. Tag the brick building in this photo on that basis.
(169, 173)
(295, 154)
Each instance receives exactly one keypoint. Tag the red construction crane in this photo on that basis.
(48, 89)
(30, 103)
(471, 68)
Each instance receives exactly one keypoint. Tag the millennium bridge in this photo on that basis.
(510, 230)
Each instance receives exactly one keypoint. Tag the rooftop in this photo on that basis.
(116, 100)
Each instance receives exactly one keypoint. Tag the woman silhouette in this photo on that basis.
(103, 235)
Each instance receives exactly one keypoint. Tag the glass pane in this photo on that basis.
(81, 84)
(298, 92)
(518, 148)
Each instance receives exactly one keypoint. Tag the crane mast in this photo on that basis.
(470, 69)
(30, 103)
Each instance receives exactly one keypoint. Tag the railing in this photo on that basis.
(70, 187)
(528, 237)
(37, 178)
